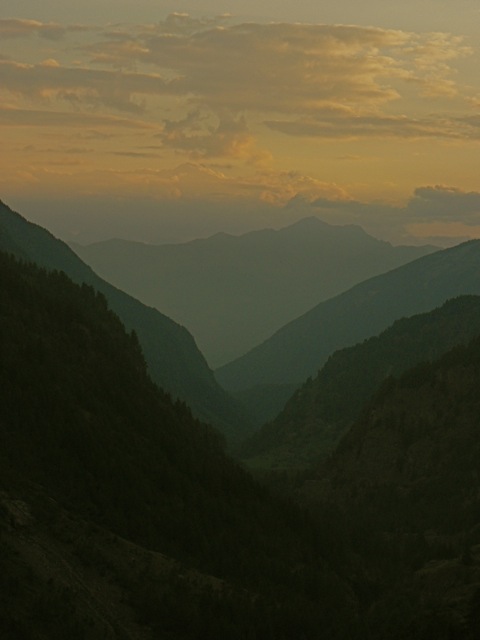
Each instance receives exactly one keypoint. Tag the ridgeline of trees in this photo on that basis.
(82, 424)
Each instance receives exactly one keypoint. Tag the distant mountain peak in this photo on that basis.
(309, 222)
(312, 224)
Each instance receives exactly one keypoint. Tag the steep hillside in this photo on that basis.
(120, 515)
(299, 349)
(408, 475)
(172, 356)
(318, 413)
(233, 292)
(411, 459)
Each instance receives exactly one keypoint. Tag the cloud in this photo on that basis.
(384, 126)
(189, 182)
(10, 116)
(289, 67)
(279, 67)
(136, 154)
(429, 207)
(79, 86)
(197, 136)
(445, 203)
(324, 81)
(24, 28)
(319, 80)
(14, 28)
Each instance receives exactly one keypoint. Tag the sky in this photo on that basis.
(162, 121)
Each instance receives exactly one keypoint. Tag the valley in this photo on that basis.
(122, 514)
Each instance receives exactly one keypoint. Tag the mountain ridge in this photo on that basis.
(121, 516)
(233, 291)
(323, 408)
(300, 348)
(173, 358)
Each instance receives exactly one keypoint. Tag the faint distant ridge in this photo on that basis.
(301, 347)
(233, 292)
(323, 408)
(173, 359)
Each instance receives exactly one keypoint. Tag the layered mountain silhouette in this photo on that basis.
(120, 515)
(173, 359)
(411, 458)
(323, 408)
(408, 474)
(299, 349)
(122, 518)
(232, 292)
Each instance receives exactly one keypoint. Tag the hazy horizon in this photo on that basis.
(167, 121)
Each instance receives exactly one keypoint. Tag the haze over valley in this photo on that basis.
(239, 320)
(233, 292)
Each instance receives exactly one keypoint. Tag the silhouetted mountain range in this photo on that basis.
(408, 470)
(232, 292)
(120, 515)
(122, 518)
(300, 348)
(173, 359)
(323, 408)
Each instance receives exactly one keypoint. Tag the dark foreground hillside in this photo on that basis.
(172, 357)
(120, 515)
(408, 476)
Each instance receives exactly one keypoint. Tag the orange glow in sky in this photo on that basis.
(241, 121)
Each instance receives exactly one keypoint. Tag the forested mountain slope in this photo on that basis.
(300, 349)
(233, 292)
(172, 356)
(407, 475)
(318, 413)
(120, 515)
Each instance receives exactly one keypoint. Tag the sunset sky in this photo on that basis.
(163, 121)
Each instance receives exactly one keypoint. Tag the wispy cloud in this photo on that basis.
(80, 86)
(428, 208)
(384, 126)
(202, 136)
(300, 80)
(289, 67)
(15, 28)
(11, 116)
(256, 116)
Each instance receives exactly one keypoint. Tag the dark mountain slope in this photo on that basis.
(173, 359)
(318, 414)
(409, 471)
(235, 291)
(413, 456)
(300, 348)
(90, 450)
